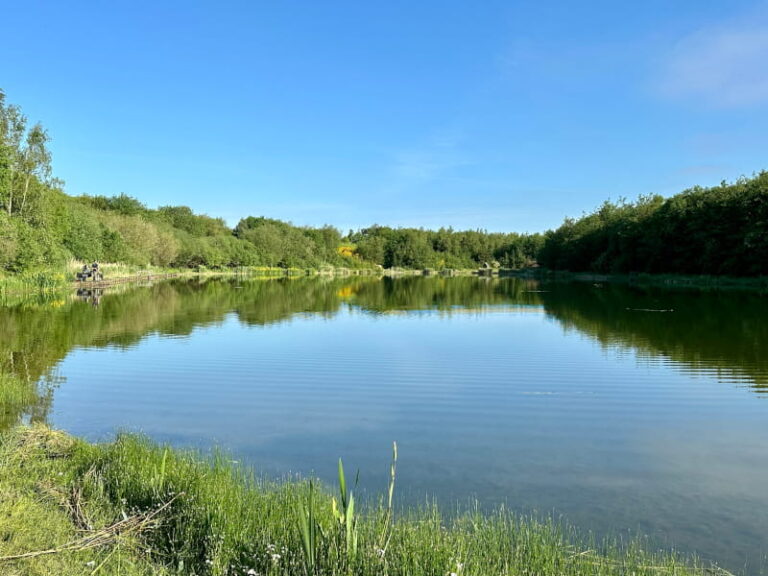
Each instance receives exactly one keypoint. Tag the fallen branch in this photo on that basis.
(102, 537)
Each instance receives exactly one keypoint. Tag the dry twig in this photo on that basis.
(103, 537)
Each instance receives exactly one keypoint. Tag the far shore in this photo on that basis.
(50, 281)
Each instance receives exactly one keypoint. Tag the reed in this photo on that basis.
(36, 282)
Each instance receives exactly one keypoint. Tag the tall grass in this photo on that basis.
(116, 269)
(225, 521)
(39, 506)
(220, 520)
(36, 282)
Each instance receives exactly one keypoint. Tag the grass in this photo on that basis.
(209, 516)
(38, 510)
(38, 282)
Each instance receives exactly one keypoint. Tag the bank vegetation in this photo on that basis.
(131, 507)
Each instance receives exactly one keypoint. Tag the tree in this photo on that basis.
(12, 127)
(34, 161)
(24, 157)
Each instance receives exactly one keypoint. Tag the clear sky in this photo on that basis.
(504, 115)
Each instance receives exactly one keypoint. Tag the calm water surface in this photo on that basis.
(581, 400)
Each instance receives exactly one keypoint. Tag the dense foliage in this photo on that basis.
(444, 248)
(41, 226)
(719, 230)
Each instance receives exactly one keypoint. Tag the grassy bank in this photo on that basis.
(133, 507)
(54, 281)
(50, 283)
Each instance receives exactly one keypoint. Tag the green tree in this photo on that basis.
(13, 125)
(34, 162)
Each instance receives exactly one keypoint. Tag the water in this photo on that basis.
(581, 400)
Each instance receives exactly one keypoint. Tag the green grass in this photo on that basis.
(114, 269)
(38, 497)
(221, 520)
(37, 282)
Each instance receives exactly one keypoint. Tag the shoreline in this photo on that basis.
(153, 509)
(52, 281)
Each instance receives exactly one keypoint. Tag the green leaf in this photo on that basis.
(342, 486)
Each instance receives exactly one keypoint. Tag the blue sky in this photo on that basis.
(498, 115)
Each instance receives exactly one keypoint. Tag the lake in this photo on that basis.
(624, 410)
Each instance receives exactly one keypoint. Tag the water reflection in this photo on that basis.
(91, 296)
(722, 334)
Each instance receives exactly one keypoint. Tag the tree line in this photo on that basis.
(722, 230)
(719, 230)
(42, 226)
(445, 248)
